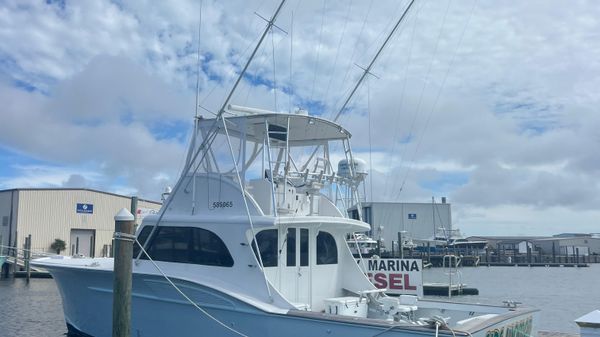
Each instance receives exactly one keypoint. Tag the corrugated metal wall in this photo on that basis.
(424, 219)
(8, 217)
(51, 214)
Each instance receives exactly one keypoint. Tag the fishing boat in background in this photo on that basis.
(361, 245)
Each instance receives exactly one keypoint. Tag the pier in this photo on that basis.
(442, 289)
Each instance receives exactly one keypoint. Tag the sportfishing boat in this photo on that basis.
(251, 242)
(260, 247)
(361, 245)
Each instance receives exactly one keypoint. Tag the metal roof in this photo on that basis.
(75, 189)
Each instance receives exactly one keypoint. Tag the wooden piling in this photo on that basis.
(123, 247)
(28, 257)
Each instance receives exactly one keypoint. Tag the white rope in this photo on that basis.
(185, 296)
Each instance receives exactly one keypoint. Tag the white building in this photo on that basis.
(574, 245)
(420, 221)
(83, 218)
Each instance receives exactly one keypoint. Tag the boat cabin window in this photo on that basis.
(142, 237)
(303, 247)
(291, 247)
(185, 245)
(267, 244)
(326, 249)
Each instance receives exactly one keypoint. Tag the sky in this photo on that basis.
(492, 104)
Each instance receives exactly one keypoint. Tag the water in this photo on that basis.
(563, 294)
(33, 309)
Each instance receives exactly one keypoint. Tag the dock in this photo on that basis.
(442, 289)
(33, 274)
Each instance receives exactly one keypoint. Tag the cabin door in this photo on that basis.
(296, 273)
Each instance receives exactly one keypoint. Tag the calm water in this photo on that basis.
(30, 310)
(563, 294)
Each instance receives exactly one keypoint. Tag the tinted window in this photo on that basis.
(208, 249)
(291, 247)
(171, 244)
(303, 247)
(267, 244)
(142, 237)
(186, 245)
(326, 249)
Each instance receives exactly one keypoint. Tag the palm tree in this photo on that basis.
(58, 245)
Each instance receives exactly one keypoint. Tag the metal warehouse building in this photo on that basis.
(83, 218)
(420, 221)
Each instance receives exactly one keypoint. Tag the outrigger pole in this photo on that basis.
(366, 71)
(213, 130)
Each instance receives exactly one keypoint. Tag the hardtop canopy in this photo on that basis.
(304, 130)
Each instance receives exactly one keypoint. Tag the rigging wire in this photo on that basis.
(337, 53)
(183, 294)
(426, 80)
(244, 197)
(350, 60)
(291, 90)
(434, 105)
(402, 100)
(213, 131)
(389, 51)
(318, 51)
(370, 141)
(274, 66)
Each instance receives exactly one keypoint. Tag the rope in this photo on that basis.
(185, 296)
(124, 236)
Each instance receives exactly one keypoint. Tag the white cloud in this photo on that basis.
(513, 126)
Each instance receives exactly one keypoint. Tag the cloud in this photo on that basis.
(493, 105)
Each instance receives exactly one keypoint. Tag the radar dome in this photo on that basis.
(359, 166)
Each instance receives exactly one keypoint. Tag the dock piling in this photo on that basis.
(123, 248)
(27, 255)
